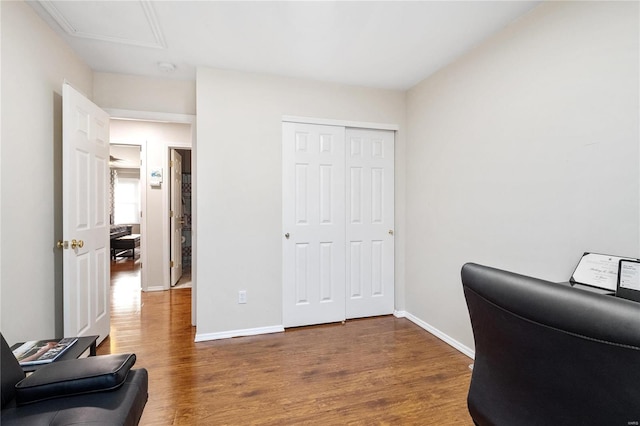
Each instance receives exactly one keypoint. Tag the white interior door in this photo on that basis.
(313, 224)
(370, 219)
(85, 158)
(176, 216)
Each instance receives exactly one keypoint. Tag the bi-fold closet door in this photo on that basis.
(338, 215)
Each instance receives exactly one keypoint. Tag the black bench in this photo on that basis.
(125, 246)
(123, 242)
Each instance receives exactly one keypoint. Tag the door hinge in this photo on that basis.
(170, 213)
(171, 163)
(171, 264)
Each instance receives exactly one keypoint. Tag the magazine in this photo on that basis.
(42, 351)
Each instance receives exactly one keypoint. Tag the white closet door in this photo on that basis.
(313, 224)
(370, 220)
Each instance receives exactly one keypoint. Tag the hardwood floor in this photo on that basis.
(376, 371)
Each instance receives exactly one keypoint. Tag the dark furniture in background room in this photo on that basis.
(548, 354)
(99, 390)
(123, 242)
(117, 231)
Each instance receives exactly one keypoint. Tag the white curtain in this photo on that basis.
(127, 200)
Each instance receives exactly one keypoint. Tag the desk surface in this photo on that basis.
(77, 349)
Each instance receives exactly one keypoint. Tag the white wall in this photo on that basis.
(524, 154)
(139, 93)
(156, 138)
(35, 61)
(239, 173)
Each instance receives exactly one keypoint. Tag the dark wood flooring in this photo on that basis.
(375, 371)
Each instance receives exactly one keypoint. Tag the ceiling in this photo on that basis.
(124, 156)
(386, 44)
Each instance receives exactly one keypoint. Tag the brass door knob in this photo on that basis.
(78, 243)
(62, 244)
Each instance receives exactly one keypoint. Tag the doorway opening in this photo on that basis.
(180, 214)
(125, 205)
(156, 134)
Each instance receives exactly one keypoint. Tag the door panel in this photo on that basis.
(86, 300)
(176, 219)
(313, 218)
(338, 259)
(370, 220)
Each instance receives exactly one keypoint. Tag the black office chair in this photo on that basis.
(548, 354)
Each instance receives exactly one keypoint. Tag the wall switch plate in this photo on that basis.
(242, 296)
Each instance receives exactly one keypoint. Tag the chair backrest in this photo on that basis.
(10, 374)
(549, 354)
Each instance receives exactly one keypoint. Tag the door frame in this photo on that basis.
(181, 119)
(166, 206)
(175, 204)
(340, 123)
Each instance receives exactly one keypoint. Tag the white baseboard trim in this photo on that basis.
(154, 288)
(238, 333)
(439, 334)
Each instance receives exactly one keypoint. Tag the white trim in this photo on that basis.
(341, 123)
(194, 221)
(150, 15)
(400, 314)
(154, 288)
(239, 333)
(162, 117)
(439, 334)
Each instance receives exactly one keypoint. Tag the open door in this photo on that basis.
(175, 216)
(85, 180)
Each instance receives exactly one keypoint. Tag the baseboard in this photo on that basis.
(238, 333)
(279, 329)
(439, 334)
(154, 288)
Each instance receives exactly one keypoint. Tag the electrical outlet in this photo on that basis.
(242, 296)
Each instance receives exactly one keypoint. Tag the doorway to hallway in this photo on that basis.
(180, 213)
(157, 133)
(125, 207)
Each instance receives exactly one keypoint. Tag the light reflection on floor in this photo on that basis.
(125, 286)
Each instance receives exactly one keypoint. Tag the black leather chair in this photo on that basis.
(549, 354)
(99, 391)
